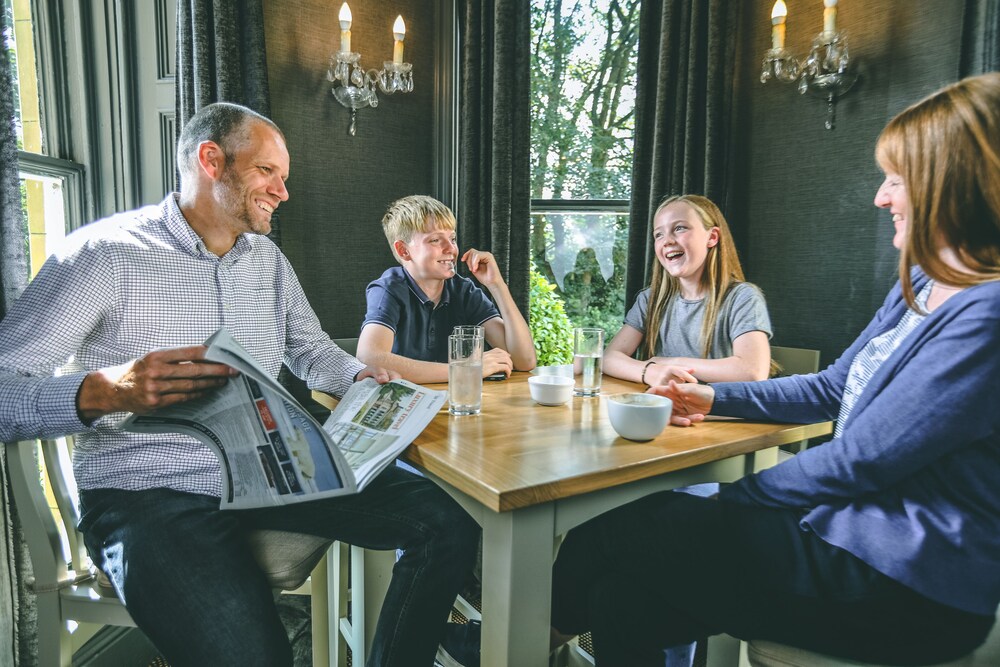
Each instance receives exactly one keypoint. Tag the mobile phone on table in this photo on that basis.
(496, 376)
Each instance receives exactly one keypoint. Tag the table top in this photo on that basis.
(517, 453)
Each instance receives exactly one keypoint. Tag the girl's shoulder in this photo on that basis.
(744, 291)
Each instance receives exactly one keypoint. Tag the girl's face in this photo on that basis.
(681, 242)
(892, 195)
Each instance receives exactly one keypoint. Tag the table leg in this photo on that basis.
(517, 579)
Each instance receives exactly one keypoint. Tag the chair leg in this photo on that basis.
(55, 648)
(320, 608)
(338, 598)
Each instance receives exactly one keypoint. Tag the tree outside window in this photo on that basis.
(583, 106)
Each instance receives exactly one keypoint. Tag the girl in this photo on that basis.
(698, 319)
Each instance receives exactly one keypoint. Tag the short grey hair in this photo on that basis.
(224, 123)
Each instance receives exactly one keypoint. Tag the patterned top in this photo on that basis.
(127, 285)
(874, 353)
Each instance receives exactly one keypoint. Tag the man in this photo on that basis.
(121, 310)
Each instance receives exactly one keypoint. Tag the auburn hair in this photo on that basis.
(946, 148)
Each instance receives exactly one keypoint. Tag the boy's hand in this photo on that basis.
(497, 360)
(380, 374)
(483, 266)
(691, 401)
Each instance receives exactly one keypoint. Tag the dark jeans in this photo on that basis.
(670, 568)
(191, 584)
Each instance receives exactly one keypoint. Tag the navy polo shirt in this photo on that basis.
(396, 301)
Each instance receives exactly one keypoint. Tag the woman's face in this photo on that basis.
(892, 195)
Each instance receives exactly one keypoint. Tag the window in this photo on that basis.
(583, 65)
(51, 189)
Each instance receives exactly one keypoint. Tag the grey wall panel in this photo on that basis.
(810, 235)
(341, 185)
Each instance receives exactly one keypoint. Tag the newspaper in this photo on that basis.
(272, 451)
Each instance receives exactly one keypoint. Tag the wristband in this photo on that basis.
(644, 369)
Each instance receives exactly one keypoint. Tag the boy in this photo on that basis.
(413, 308)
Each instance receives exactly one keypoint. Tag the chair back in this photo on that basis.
(348, 345)
(795, 360)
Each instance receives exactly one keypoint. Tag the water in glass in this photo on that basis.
(465, 387)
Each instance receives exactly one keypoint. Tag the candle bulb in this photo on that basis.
(830, 16)
(398, 32)
(345, 28)
(778, 14)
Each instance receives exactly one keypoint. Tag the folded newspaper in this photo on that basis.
(272, 451)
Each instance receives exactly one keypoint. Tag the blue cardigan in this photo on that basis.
(912, 487)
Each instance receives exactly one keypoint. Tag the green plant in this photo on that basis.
(550, 327)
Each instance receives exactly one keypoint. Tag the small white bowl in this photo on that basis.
(639, 416)
(550, 389)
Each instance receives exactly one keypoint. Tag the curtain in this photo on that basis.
(684, 104)
(980, 38)
(221, 58)
(18, 631)
(494, 196)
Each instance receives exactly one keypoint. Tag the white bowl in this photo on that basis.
(639, 416)
(550, 389)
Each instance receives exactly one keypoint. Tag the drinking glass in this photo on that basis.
(465, 374)
(588, 355)
(468, 330)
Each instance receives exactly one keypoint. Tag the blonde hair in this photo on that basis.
(946, 148)
(722, 271)
(415, 214)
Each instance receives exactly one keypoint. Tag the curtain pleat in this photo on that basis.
(684, 97)
(18, 628)
(980, 38)
(221, 57)
(494, 136)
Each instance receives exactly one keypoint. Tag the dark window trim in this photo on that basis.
(445, 141)
(70, 173)
(580, 206)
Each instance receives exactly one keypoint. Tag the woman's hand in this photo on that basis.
(691, 401)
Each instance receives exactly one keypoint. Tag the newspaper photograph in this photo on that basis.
(273, 452)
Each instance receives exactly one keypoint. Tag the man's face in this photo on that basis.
(252, 184)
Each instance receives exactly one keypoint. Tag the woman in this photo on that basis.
(882, 544)
(698, 320)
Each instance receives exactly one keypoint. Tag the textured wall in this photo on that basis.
(341, 185)
(809, 234)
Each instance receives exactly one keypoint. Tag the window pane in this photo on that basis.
(584, 255)
(583, 62)
(19, 41)
(43, 205)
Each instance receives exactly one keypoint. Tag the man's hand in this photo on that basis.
(691, 401)
(483, 266)
(497, 361)
(160, 378)
(657, 374)
(380, 374)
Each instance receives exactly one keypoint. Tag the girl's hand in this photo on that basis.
(691, 401)
(659, 374)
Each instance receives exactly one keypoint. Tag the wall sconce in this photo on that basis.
(824, 73)
(352, 86)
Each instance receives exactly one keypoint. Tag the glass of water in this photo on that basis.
(588, 354)
(465, 374)
(468, 330)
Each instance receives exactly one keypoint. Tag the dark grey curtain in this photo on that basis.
(494, 196)
(221, 58)
(18, 631)
(684, 106)
(980, 38)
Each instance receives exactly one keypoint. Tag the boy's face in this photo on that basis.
(430, 255)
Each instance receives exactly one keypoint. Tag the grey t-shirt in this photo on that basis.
(743, 310)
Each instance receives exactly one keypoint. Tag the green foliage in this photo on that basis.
(550, 328)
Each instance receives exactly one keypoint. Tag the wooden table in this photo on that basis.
(529, 473)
